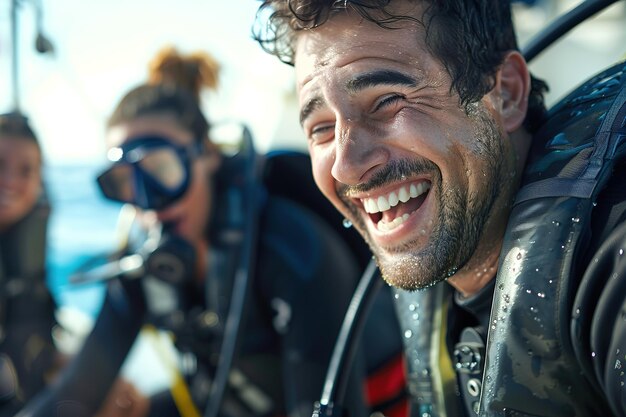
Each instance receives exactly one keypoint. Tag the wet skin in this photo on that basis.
(20, 178)
(427, 182)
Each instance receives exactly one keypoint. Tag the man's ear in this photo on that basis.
(513, 83)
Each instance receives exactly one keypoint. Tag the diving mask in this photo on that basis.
(150, 172)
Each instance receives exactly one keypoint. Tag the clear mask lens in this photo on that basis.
(148, 172)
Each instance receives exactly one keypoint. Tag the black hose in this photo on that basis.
(242, 282)
(338, 372)
(562, 25)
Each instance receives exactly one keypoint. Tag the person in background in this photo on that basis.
(236, 275)
(28, 357)
(428, 133)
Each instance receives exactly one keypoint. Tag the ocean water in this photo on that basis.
(82, 226)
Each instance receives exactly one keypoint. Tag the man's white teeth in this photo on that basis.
(383, 204)
(385, 227)
(403, 194)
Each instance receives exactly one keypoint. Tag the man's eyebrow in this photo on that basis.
(310, 106)
(383, 77)
(361, 81)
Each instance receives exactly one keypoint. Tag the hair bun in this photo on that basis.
(192, 71)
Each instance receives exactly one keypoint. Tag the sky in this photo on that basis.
(101, 50)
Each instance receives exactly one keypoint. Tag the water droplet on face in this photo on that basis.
(519, 256)
(412, 307)
(416, 316)
(618, 364)
(541, 295)
(347, 223)
(556, 223)
(593, 354)
(408, 334)
(621, 252)
(575, 219)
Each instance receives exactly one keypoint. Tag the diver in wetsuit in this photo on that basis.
(501, 225)
(28, 356)
(238, 275)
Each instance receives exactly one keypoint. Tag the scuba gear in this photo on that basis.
(572, 159)
(157, 278)
(422, 315)
(8, 380)
(565, 23)
(150, 172)
(331, 402)
(26, 310)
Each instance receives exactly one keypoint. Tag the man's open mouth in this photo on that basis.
(390, 210)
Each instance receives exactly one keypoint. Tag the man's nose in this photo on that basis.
(358, 152)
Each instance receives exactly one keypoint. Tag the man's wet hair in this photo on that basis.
(469, 37)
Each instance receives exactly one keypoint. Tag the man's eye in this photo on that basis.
(320, 133)
(387, 101)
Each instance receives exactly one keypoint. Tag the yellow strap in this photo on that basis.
(444, 377)
(448, 375)
(180, 391)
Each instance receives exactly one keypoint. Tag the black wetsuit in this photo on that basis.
(27, 352)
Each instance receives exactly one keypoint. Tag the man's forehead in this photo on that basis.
(351, 40)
